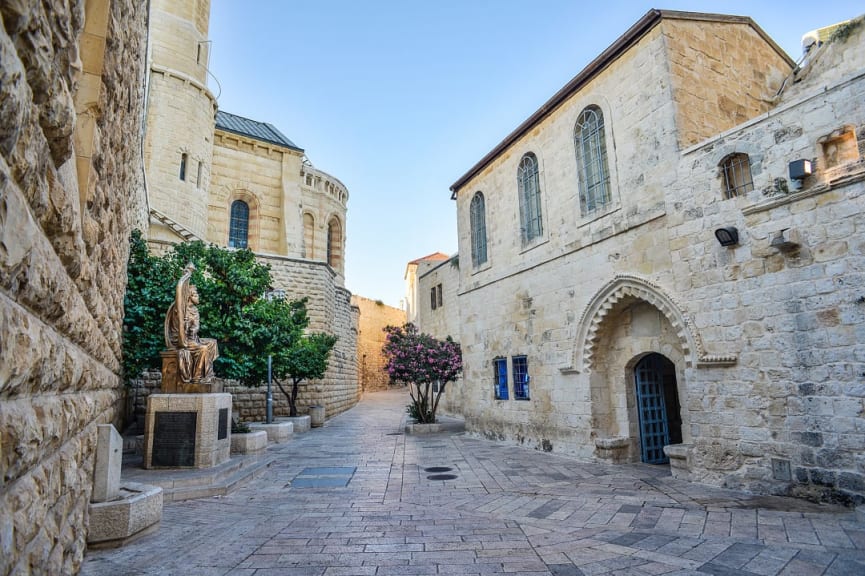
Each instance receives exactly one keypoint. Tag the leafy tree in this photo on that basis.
(247, 326)
(306, 360)
(149, 293)
(421, 360)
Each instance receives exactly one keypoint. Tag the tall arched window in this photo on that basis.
(592, 170)
(183, 158)
(528, 182)
(238, 227)
(736, 170)
(478, 217)
(334, 243)
(308, 235)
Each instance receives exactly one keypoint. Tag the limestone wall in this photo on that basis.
(180, 117)
(701, 56)
(765, 338)
(70, 191)
(789, 416)
(374, 317)
(252, 171)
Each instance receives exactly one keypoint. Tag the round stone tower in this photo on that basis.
(181, 113)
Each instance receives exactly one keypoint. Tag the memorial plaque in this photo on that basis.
(174, 439)
(222, 433)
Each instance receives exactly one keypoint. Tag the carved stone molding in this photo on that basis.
(626, 286)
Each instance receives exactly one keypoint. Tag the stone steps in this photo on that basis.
(188, 484)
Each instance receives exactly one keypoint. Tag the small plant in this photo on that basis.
(238, 427)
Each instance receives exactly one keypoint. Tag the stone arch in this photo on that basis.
(626, 287)
(308, 238)
(254, 222)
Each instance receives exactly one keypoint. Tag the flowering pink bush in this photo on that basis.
(420, 360)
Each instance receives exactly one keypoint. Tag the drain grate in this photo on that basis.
(438, 469)
(442, 477)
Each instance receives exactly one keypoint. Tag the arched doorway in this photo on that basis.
(658, 407)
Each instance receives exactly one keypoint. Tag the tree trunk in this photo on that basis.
(292, 402)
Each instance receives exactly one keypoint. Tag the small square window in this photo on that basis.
(521, 377)
(500, 372)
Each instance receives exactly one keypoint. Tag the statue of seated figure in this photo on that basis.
(187, 364)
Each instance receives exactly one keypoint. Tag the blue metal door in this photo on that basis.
(652, 409)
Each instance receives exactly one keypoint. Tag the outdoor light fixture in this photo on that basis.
(800, 169)
(727, 236)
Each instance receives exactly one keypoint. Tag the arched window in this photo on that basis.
(238, 228)
(308, 235)
(531, 222)
(183, 159)
(736, 172)
(334, 243)
(592, 171)
(477, 213)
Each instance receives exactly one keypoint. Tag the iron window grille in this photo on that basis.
(238, 228)
(592, 171)
(736, 171)
(531, 222)
(477, 213)
(521, 377)
(500, 372)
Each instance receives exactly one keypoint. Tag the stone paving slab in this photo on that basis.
(354, 498)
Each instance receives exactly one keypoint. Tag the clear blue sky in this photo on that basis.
(398, 99)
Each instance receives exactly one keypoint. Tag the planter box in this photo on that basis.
(415, 428)
(277, 432)
(136, 513)
(300, 423)
(249, 442)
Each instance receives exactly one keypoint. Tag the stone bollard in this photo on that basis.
(316, 416)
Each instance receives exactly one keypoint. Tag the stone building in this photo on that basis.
(413, 270)
(71, 190)
(241, 183)
(374, 317)
(665, 262)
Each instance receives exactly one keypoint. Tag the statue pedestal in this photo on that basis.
(171, 383)
(187, 430)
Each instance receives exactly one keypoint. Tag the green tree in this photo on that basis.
(149, 293)
(232, 285)
(306, 360)
(421, 361)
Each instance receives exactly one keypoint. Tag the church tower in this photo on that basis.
(181, 113)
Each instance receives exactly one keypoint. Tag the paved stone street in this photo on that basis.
(358, 497)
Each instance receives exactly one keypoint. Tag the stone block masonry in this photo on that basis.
(71, 189)
(374, 316)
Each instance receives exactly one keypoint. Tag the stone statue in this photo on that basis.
(187, 364)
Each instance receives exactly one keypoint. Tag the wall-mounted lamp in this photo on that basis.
(800, 169)
(727, 236)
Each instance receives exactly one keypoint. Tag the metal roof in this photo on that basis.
(253, 129)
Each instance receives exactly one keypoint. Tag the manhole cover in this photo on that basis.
(442, 477)
(438, 469)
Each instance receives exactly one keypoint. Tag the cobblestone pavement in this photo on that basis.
(358, 497)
